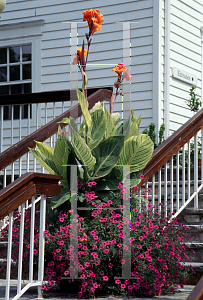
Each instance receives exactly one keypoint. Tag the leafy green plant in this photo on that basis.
(102, 159)
(102, 145)
(151, 133)
(193, 103)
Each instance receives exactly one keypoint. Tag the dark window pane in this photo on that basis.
(3, 55)
(3, 74)
(16, 112)
(16, 89)
(27, 71)
(14, 73)
(14, 54)
(26, 52)
(27, 88)
(4, 90)
(25, 112)
(7, 110)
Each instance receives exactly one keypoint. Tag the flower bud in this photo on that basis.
(116, 84)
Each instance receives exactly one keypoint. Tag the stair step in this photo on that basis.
(194, 245)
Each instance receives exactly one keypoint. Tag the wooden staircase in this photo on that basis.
(161, 156)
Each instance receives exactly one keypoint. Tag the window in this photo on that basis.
(16, 77)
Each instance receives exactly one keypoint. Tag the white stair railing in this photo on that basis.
(179, 182)
(30, 225)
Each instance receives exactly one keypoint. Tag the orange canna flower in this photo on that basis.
(126, 75)
(78, 56)
(88, 14)
(94, 16)
(119, 68)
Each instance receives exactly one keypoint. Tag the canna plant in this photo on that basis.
(102, 145)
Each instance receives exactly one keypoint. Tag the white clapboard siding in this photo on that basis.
(107, 48)
(186, 54)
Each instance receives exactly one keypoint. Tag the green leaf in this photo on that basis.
(65, 120)
(106, 154)
(110, 125)
(58, 200)
(81, 197)
(81, 149)
(59, 152)
(116, 118)
(134, 124)
(45, 162)
(104, 195)
(135, 178)
(107, 184)
(97, 129)
(61, 155)
(45, 150)
(83, 130)
(137, 151)
(124, 128)
(95, 107)
(129, 127)
(84, 108)
(138, 120)
(85, 82)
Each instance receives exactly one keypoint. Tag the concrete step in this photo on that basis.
(198, 268)
(194, 251)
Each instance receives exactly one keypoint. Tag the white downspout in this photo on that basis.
(167, 70)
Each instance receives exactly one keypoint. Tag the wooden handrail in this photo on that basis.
(19, 149)
(197, 292)
(169, 147)
(42, 97)
(25, 187)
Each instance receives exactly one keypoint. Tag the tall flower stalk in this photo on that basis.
(95, 21)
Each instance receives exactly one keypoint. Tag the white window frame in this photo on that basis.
(24, 33)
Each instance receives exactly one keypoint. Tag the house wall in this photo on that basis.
(106, 49)
(185, 54)
(147, 90)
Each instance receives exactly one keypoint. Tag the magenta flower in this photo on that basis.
(122, 286)
(105, 278)
(142, 176)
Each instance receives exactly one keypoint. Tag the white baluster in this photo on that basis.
(159, 190)
(177, 181)
(188, 172)
(20, 257)
(171, 187)
(41, 243)
(8, 271)
(32, 240)
(165, 188)
(183, 175)
(153, 191)
(195, 171)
